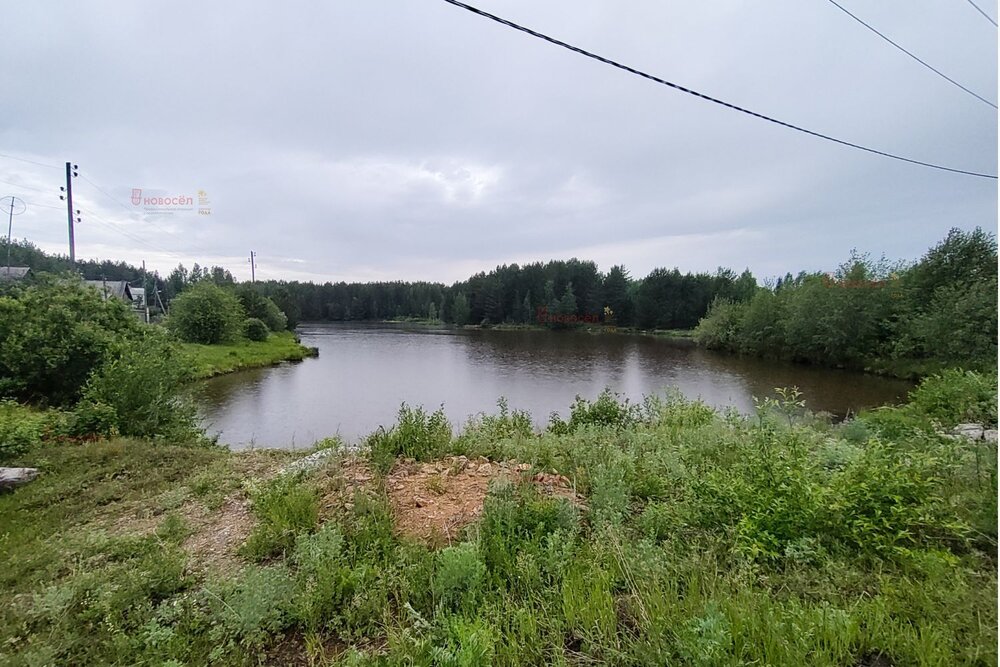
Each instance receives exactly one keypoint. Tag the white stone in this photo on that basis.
(11, 477)
(971, 431)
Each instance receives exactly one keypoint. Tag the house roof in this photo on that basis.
(116, 288)
(13, 272)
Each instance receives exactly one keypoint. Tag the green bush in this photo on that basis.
(415, 435)
(206, 314)
(459, 577)
(140, 392)
(518, 524)
(251, 609)
(605, 410)
(54, 334)
(20, 429)
(956, 396)
(325, 579)
(255, 330)
(721, 327)
(261, 307)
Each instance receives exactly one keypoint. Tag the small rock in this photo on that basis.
(485, 469)
(521, 467)
(310, 462)
(11, 477)
(483, 459)
(971, 431)
(990, 435)
(419, 502)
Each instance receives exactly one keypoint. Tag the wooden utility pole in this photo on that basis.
(70, 174)
(253, 266)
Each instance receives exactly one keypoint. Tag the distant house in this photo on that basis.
(139, 302)
(14, 272)
(118, 289)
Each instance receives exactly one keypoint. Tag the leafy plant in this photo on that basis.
(284, 507)
(459, 577)
(54, 334)
(415, 435)
(255, 329)
(140, 391)
(206, 313)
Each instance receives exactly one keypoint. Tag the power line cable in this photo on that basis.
(21, 159)
(689, 91)
(21, 185)
(117, 229)
(988, 17)
(922, 62)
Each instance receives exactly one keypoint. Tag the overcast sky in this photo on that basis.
(410, 139)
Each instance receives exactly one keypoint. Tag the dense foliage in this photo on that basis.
(139, 391)
(54, 334)
(207, 314)
(697, 538)
(63, 344)
(260, 307)
(255, 330)
(937, 313)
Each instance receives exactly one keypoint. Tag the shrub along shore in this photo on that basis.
(660, 533)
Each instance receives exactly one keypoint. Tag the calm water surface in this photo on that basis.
(365, 371)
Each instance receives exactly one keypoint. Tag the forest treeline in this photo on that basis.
(906, 319)
(903, 317)
(514, 294)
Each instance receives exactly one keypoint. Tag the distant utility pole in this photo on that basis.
(14, 203)
(253, 266)
(71, 173)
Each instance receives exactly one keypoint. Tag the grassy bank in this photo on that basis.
(665, 533)
(211, 360)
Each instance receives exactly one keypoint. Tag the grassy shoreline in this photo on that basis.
(661, 533)
(211, 360)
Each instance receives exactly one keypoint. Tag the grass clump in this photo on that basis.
(285, 508)
(416, 435)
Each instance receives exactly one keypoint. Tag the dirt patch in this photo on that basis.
(434, 501)
(217, 534)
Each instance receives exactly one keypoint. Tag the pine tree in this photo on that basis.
(460, 309)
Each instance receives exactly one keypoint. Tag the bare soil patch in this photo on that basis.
(434, 501)
(217, 534)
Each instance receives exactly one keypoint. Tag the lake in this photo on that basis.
(365, 371)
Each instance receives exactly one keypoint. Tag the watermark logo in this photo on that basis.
(170, 204)
(543, 316)
(204, 205)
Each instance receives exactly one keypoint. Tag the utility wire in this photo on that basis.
(21, 185)
(689, 91)
(151, 222)
(117, 228)
(988, 17)
(925, 64)
(21, 159)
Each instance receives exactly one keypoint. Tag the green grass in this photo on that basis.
(701, 538)
(211, 360)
